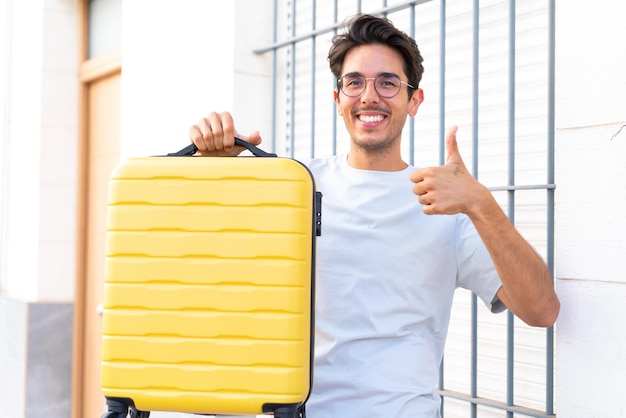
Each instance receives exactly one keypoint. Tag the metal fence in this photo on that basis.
(300, 47)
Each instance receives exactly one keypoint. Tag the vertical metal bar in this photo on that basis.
(511, 111)
(442, 81)
(551, 125)
(411, 120)
(510, 362)
(442, 124)
(475, 86)
(313, 76)
(475, 77)
(510, 393)
(550, 197)
(511, 105)
(274, 81)
(474, 353)
(292, 130)
(441, 367)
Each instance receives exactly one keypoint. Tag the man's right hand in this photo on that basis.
(214, 136)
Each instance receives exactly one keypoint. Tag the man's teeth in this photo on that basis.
(369, 119)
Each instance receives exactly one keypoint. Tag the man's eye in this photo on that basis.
(388, 82)
(353, 82)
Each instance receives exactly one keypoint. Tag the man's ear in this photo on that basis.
(415, 101)
(336, 100)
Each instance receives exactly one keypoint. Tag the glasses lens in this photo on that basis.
(352, 85)
(386, 86)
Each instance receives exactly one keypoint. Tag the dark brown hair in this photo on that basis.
(367, 29)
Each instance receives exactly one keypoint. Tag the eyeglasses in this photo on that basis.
(386, 86)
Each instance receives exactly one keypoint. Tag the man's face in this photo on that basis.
(375, 123)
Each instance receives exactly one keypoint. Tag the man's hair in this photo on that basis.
(365, 29)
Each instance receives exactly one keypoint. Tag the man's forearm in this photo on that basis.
(527, 286)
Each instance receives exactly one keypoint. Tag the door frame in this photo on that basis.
(90, 70)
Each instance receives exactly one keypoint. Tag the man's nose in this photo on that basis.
(369, 92)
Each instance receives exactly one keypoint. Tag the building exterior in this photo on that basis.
(79, 93)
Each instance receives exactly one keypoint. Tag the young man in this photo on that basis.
(386, 268)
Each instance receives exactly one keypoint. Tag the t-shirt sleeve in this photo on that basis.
(476, 271)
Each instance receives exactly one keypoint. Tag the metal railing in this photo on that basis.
(296, 39)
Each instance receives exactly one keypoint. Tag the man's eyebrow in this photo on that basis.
(386, 74)
(381, 74)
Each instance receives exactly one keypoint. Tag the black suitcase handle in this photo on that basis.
(191, 149)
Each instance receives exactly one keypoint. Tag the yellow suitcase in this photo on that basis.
(209, 285)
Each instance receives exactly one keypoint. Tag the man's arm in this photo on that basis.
(527, 287)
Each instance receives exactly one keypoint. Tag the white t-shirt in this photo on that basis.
(386, 274)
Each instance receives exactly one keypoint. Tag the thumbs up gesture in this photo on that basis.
(450, 188)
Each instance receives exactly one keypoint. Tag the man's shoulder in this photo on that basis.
(325, 163)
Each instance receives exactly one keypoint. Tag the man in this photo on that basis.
(387, 267)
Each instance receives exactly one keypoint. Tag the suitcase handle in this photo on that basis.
(191, 149)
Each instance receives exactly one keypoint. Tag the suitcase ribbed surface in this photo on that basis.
(207, 305)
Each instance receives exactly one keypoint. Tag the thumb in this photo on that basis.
(452, 148)
(254, 138)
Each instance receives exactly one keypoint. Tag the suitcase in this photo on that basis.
(209, 285)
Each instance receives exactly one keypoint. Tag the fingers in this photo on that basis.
(421, 184)
(215, 135)
(428, 199)
(437, 187)
(447, 189)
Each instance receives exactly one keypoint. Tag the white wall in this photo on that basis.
(39, 138)
(38, 190)
(591, 196)
(180, 61)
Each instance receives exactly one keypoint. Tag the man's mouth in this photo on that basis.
(372, 115)
(371, 118)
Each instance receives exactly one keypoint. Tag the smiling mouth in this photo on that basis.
(371, 118)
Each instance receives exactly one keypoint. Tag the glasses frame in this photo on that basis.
(365, 79)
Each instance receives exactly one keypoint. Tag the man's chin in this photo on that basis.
(372, 144)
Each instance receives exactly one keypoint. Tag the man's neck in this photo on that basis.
(378, 160)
